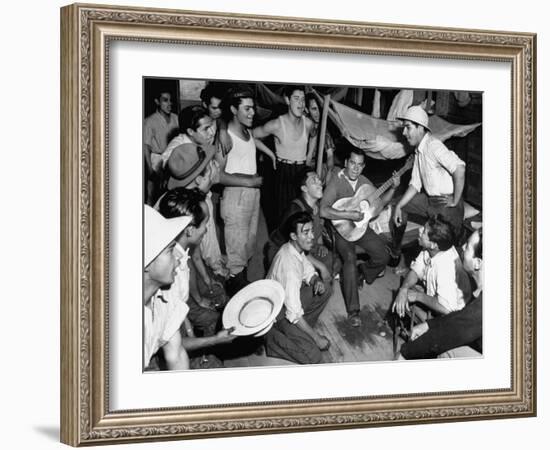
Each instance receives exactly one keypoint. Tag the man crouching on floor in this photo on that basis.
(292, 336)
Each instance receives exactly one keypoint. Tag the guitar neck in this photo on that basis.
(388, 183)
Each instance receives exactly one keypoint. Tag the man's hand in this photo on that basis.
(401, 304)
(323, 343)
(321, 252)
(318, 287)
(419, 330)
(225, 336)
(274, 161)
(397, 218)
(444, 200)
(356, 216)
(395, 179)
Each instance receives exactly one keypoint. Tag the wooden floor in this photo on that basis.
(373, 341)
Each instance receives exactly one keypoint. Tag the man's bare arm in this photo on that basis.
(459, 176)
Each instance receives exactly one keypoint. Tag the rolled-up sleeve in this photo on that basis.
(287, 269)
(447, 158)
(293, 304)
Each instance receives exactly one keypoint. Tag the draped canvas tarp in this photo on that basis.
(381, 139)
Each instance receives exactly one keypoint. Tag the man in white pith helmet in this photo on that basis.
(437, 179)
(162, 318)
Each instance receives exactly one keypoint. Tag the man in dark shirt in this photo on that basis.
(345, 183)
(310, 193)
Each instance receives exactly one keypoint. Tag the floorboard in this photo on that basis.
(372, 341)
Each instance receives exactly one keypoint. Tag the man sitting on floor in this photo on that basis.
(439, 267)
(162, 318)
(292, 336)
(183, 202)
(457, 334)
(310, 194)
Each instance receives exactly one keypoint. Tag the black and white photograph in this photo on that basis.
(289, 224)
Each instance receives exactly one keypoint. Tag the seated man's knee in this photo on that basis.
(348, 256)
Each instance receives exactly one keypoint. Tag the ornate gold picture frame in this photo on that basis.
(87, 32)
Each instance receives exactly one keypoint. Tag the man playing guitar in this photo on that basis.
(345, 184)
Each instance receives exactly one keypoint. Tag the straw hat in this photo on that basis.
(417, 115)
(254, 308)
(159, 232)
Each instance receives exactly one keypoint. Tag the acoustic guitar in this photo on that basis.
(366, 201)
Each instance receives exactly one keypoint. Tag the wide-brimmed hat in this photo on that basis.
(418, 115)
(186, 162)
(159, 232)
(254, 308)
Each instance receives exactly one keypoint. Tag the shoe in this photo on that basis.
(395, 258)
(355, 320)
(363, 277)
(235, 283)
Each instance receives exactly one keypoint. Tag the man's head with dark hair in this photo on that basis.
(295, 99)
(163, 100)
(291, 88)
(236, 94)
(354, 164)
(190, 117)
(472, 253)
(212, 96)
(298, 229)
(239, 104)
(197, 124)
(313, 107)
(437, 234)
(187, 202)
(183, 202)
(308, 183)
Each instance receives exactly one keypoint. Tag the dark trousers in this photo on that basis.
(378, 256)
(285, 185)
(419, 209)
(204, 320)
(287, 341)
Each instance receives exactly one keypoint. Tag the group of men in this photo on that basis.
(217, 145)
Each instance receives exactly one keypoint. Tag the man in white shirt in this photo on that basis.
(240, 204)
(177, 203)
(437, 180)
(162, 317)
(158, 129)
(293, 336)
(439, 268)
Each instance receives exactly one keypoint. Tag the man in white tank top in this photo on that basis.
(291, 133)
(240, 205)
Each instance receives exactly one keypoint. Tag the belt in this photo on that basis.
(288, 161)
